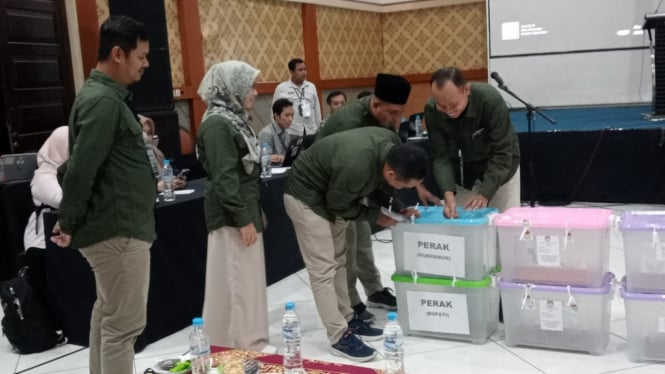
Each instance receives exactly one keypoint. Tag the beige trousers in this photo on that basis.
(322, 245)
(360, 261)
(235, 308)
(122, 276)
(507, 196)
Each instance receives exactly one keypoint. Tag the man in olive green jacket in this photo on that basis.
(476, 150)
(326, 188)
(109, 189)
(382, 109)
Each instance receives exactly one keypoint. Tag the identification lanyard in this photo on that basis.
(280, 134)
(300, 95)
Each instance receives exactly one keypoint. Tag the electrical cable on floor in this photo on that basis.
(51, 360)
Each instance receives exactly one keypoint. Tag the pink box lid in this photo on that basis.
(555, 217)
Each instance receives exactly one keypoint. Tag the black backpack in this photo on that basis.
(26, 322)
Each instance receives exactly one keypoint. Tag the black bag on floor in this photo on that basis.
(26, 322)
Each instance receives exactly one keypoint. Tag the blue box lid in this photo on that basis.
(434, 215)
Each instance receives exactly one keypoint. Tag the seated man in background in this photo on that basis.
(328, 186)
(335, 100)
(275, 133)
(151, 140)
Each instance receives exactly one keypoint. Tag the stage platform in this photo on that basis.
(625, 117)
(606, 154)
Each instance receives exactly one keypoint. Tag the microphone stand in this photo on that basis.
(530, 119)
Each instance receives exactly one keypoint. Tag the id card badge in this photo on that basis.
(305, 109)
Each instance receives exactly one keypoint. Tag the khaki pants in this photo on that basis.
(360, 261)
(235, 309)
(322, 245)
(122, 275)
(507, 196)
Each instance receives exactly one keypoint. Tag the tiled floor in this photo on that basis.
(422, 355)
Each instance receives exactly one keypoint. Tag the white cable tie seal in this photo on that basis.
(655, 238)
(567, 236)
(615, 285)
(526, 233)
(571, 303)
(452, 271)
(615, 219)
(414, 275)
(526, 299)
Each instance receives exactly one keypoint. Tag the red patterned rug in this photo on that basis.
(232, 359)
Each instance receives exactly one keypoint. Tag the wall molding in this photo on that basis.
(386, 6)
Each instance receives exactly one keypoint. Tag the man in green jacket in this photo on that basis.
(108, 195)
(382, 109)
(476, 150)
(327, 187)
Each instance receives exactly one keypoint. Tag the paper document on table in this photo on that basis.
(181, 192)
(184, 192)
(280, 170)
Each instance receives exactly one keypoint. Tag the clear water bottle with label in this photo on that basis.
(419, 126)
(266, 164)
(393, 340)
(291, 336)
(199, 348)
(167, 179)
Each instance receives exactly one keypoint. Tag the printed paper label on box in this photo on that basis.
(551, 315)
(661, 325)
(548, 250)
(438, 312)
(434, 254)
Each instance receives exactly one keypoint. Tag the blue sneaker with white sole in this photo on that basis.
(349, 346)
(364, 330)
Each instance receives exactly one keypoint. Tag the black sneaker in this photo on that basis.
(382, 299)
(362, 313)
(364, 330)
(351, 347)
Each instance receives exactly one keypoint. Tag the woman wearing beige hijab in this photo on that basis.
(235, 310)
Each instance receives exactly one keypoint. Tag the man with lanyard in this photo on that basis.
(275, 134)
(303, 95)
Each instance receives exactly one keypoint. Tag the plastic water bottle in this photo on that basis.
(393, 340)
(167, 179)
(266, 164)
(199, 348)
(419, 126)
(291, 336)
